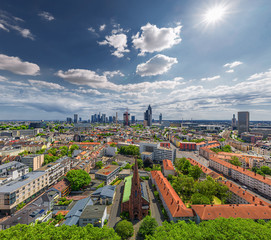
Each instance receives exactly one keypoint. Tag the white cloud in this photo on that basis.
(44, 84)
(119, 42)
(3, 27)
(17, 66)
(18, 83)
(157, 65)
(91, 91)
(113, 73)
(91, 29)
(210, 78)
(102, 27)
(233, 64)
(2, 78)
(230, 71)
(261, 75)
(154, 39)
(47, 16)
(86, 77)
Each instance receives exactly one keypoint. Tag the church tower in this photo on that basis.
(135, 208)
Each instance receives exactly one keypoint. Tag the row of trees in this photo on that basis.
(264, 170)
(226, 148)
(226, 229)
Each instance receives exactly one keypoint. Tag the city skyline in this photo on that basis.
(186, 59)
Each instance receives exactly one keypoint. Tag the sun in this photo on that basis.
(215, 14)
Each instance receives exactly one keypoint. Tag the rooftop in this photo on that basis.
(127, 188)
(107, 170)
(93, 211)
(167, 165)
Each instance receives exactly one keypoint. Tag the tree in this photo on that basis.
(148, 163)
(73, 147)
(114, 163)
(129, 150)
(266, 170)
(195, 172)
(78, 178)
(128, 166)
(140, 163)
(235, 161)
(148, 226)
(184, 186)
(99, 164)
(124, 229)
(113, 145)
(198, 198)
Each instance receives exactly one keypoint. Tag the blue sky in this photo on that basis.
(63, 57)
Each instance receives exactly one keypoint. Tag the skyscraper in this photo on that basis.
(160, 118)
(69, 120)
(126, 118)
(233, 122)
(133, 119)
(148, 116)
(75, 119)
(243, 122)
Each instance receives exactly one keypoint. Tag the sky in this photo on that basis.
(186, 58)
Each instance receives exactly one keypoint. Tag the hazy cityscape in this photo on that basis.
(135, 120)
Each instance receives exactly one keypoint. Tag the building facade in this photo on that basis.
(243, 122)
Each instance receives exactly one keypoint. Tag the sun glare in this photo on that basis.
(214, 14)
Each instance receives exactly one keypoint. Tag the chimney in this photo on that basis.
(243, 192)
(253, 199)
(254, 174)
(230, 184)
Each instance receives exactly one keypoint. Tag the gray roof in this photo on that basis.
(94, 211)
(73, 215)
(105, 192)
(24, 180)
(11, 164)
(144, 192)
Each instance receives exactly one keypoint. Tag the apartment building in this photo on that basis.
(33, 161)
(108, 173)
(23, 189)
(157, 151)
(175, 208)
(11, 171)
(168, 168)
(246, 177)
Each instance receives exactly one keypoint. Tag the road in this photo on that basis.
(154, 206)
(114, 217)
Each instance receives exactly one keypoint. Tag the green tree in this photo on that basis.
(198, 198)
(113, 145)
(99, 164)
(78, 178)
(266, 170)
(148, 226)
(73, 147)
(128, 166)
(124, 229)
(114, 163)
(129, 150)
(235, 161)
(195, 172)
(184, 187)
(140, 163)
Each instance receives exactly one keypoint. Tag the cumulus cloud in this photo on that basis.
(86, 77)
(210, 78)
(113, 73)
(154, 39)
(91, 29)
(230, 71)
(233, 64)
(157, 65)
(17, 66)
(44, 84)
(261, 75)
(90, 91)
(117, 41)
(102, 27)
(47, 16)
(9, 22)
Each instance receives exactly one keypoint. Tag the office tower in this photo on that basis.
(116, 118)
(160, 118)
(103, 118)
(148, 116)
(95, 117)
(80, 119)
(75, 118)
(110, 119)
(99, 118)
(133, 119)
(243, 122)
(92, 118)
(126, 118)
(233, 122)
(69, 120)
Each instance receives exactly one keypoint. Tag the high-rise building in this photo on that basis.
(133, 119)
(233, 122)
(148, 116)
(126, 118)
(69, 120)
(243, 122)
(103, 118)
(160, 118)
(110, 119)
(75, 119)
(80, 119)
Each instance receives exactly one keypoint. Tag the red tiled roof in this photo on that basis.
(167, 165)
(172, 200)
(252, 211)
(242, 170)
(62, 185)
